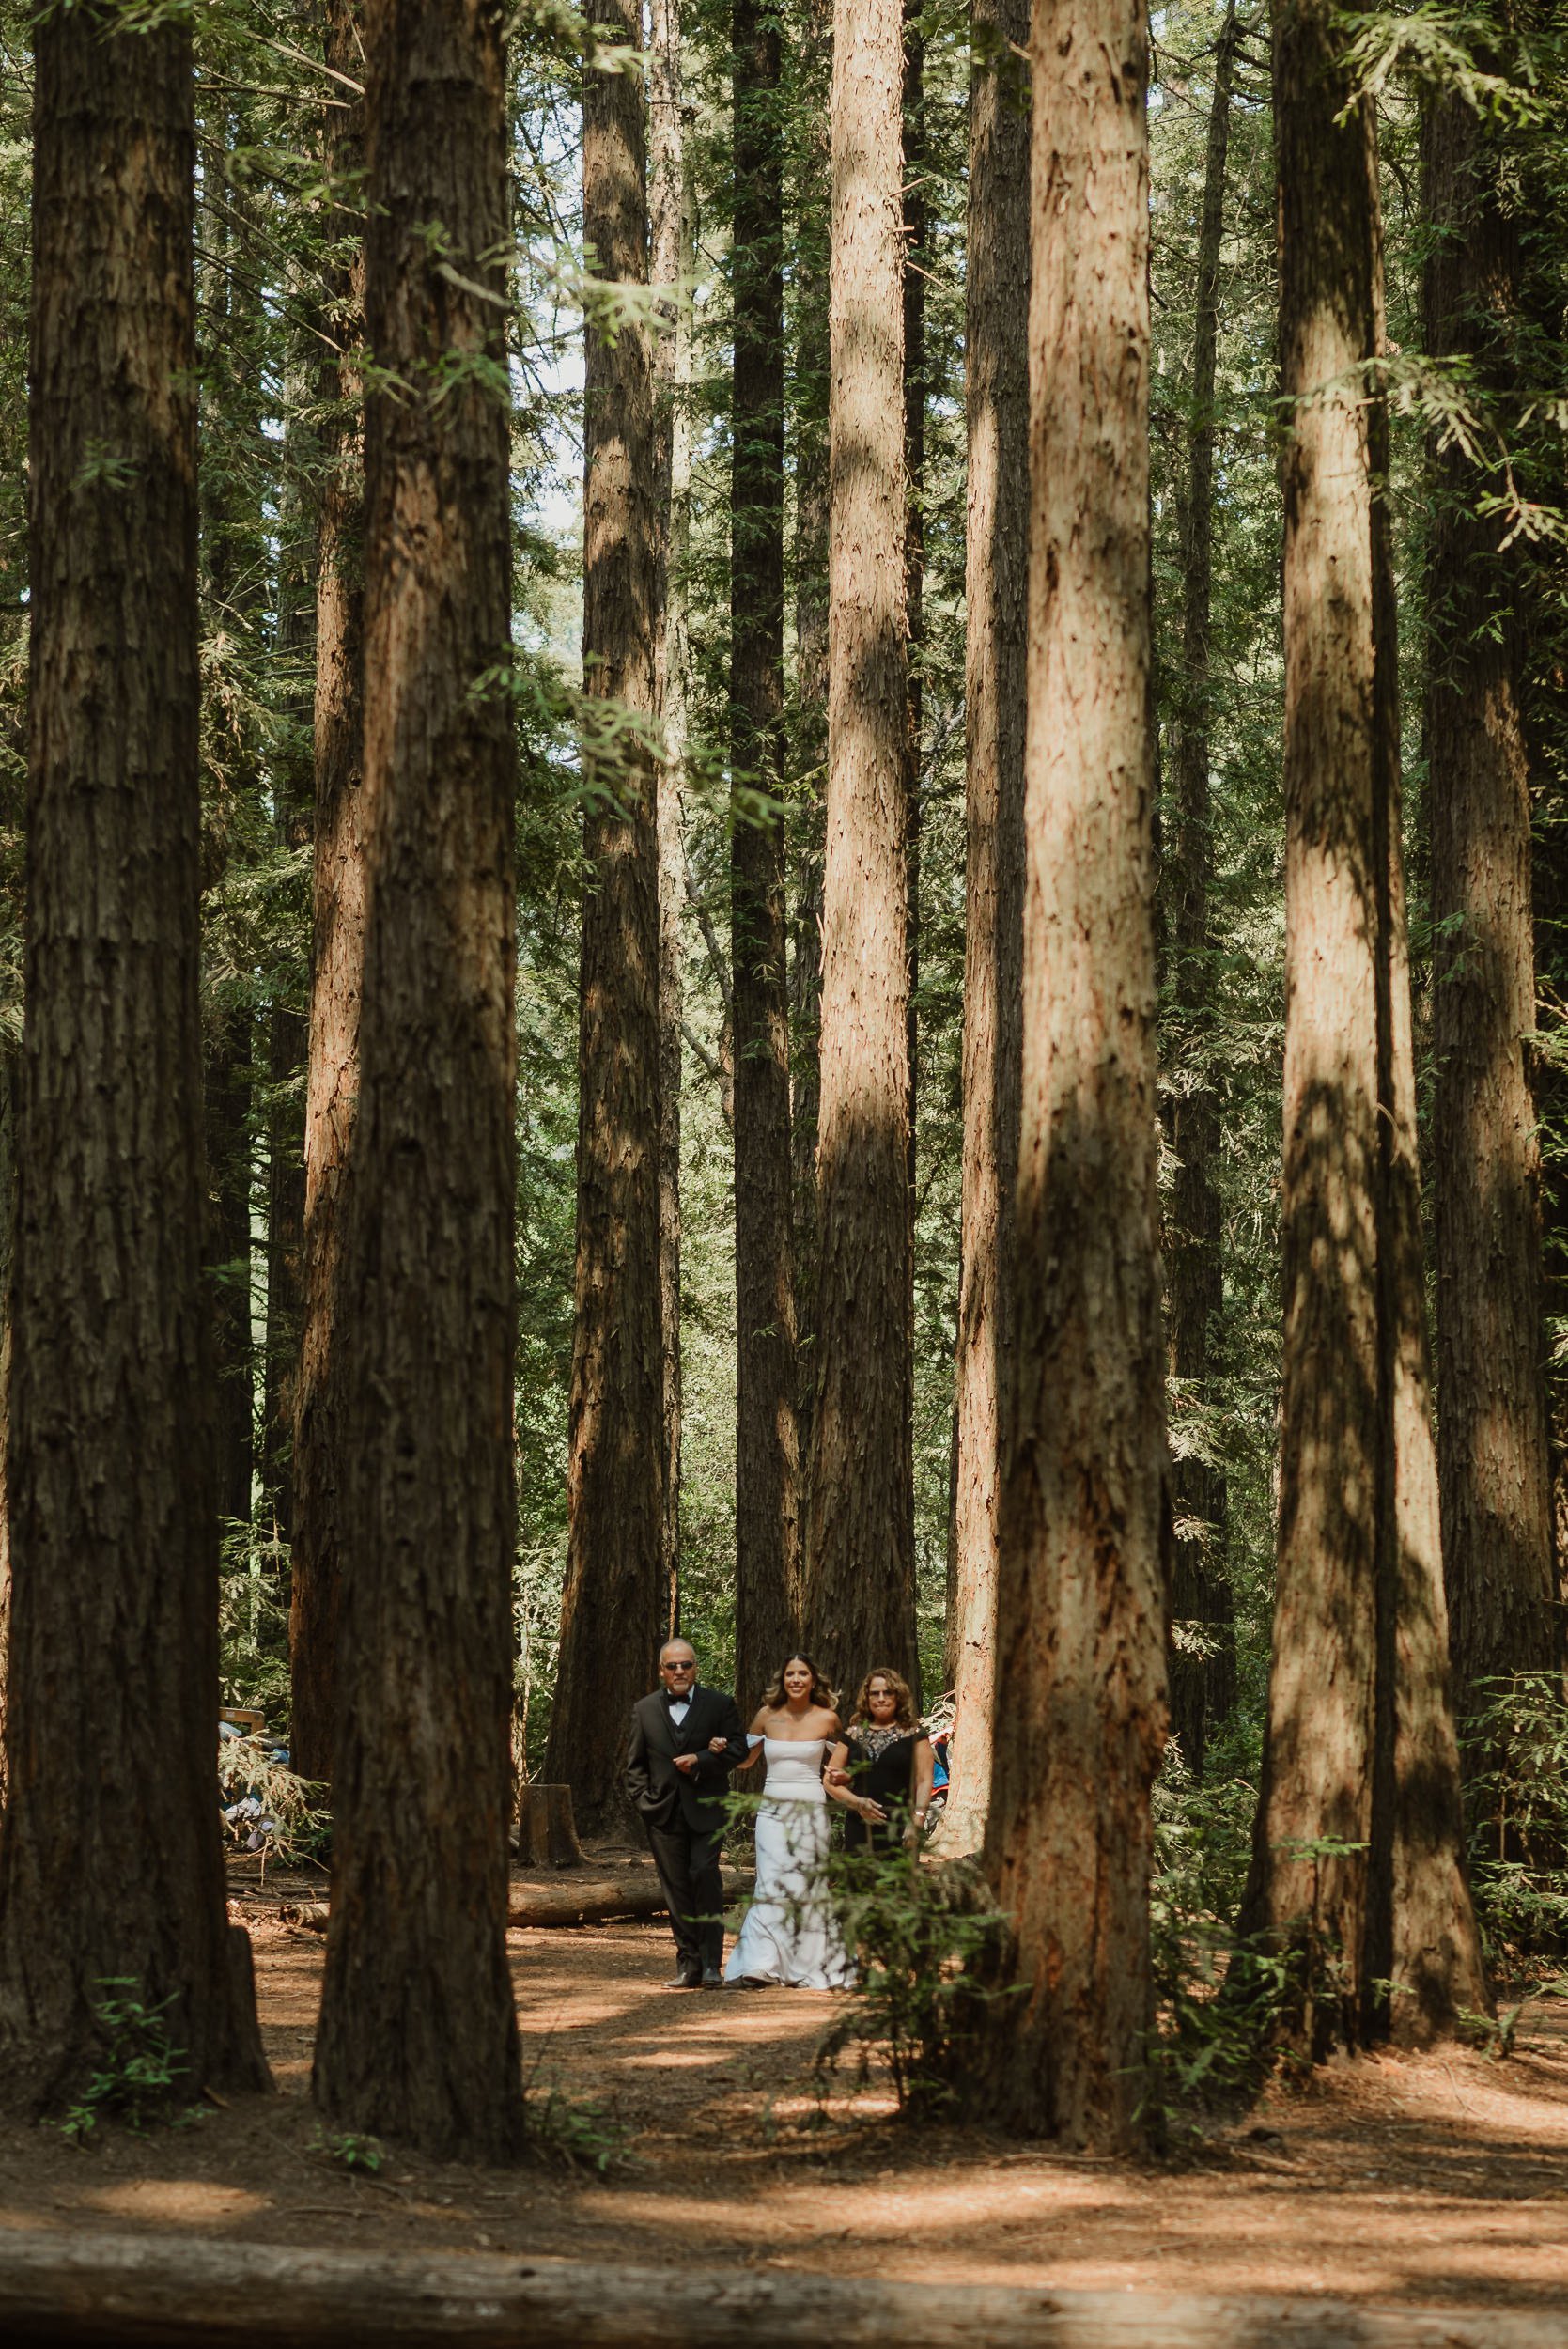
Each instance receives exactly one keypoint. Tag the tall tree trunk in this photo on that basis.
(1491, 1436)
(1081, 1641)
(226, 1094)
(670, 267)
(614, 1601)
(671, 241)
(916, 268)
(997, 589)
(813, 36)
(767, 1522)
(1360, 1746)
(337, 937)
(1203, 1676)
(289, 1025)
(859, 1606)
(112, 1874)
(418, 2036)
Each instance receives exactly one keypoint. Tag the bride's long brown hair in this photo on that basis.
(774, 1699)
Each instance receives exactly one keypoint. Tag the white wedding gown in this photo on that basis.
(790, 1934)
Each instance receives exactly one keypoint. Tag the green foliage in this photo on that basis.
(924, 1938)
(362, 2153)
(138, 2066)
(576, 2132)
(1516, 1799)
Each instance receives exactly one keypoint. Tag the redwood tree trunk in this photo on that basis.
(1081, 1697)
(1360, 1744)
(418, 2036)
(858, 1606)
(1202, 1679)
(227, 1098)
(613, 1609)
(338, 941)
(997, 587)
(767, 1498)
(1492, 1436)
(112, 1636)
(670, 261)
(812, 166)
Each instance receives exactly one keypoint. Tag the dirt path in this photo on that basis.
(1439, 2180)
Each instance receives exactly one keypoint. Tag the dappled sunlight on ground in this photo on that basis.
(1442, 2178)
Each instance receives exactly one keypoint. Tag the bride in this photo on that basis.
(789, 1935)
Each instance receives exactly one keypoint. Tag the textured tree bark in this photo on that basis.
(858, 1600)
(916, 268)
(288, 1057)
(1080, 1695)
(102, 2288)
(997, 587)
(811, 170)
(1359, 1744)
(338, 939)
(767, 1462)
(671, 235)
(418, 2036)
(226, 1100)
(1203, 1684)
(614, 1606)
(113, 1537)
(1492, 1430)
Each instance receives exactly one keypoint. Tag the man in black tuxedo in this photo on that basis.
(675, 1776)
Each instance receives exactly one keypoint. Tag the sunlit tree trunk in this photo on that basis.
(813, 30)
(1203, 1683)
(670, 266)
(337, 930)
(113, 1872)
(1491, 1440)
(615, 1604)
(859, 1606)
(418, 2036)
(1359, 1751)
(767, 1522)
(1081, 1697)
(997, 584)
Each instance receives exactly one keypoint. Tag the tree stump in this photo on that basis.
(546, 1832)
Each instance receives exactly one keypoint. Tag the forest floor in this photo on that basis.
(1439, 2180)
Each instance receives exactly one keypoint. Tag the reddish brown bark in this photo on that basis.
(859, 1602)
(1492, 1432)
(997, 583)
(613, 1609)
(1203, 1678)
(113, 1872)
(418, 2035)
(1360, 1746)
(768, 1501)
(1080, 1609)
(337, 936)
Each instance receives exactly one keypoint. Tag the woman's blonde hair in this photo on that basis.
(905, 1715)
(773, 1696)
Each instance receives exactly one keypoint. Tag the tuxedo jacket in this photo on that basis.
(664, 1795)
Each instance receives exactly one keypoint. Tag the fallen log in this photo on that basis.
(132, 2291)
(574, 1901)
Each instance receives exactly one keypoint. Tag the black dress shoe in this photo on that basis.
(712, 1977)
(685, 1978)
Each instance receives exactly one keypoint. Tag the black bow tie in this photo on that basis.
(673, 1697)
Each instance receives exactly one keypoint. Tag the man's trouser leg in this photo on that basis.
(673, 1848)
(707, 1895)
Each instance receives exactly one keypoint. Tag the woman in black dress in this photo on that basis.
(881, 1768)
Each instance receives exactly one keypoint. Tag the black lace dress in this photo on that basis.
(881, 1765)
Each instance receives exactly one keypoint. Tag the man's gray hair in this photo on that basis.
(679, 1640)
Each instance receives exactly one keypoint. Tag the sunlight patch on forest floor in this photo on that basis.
(1437, 2179)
